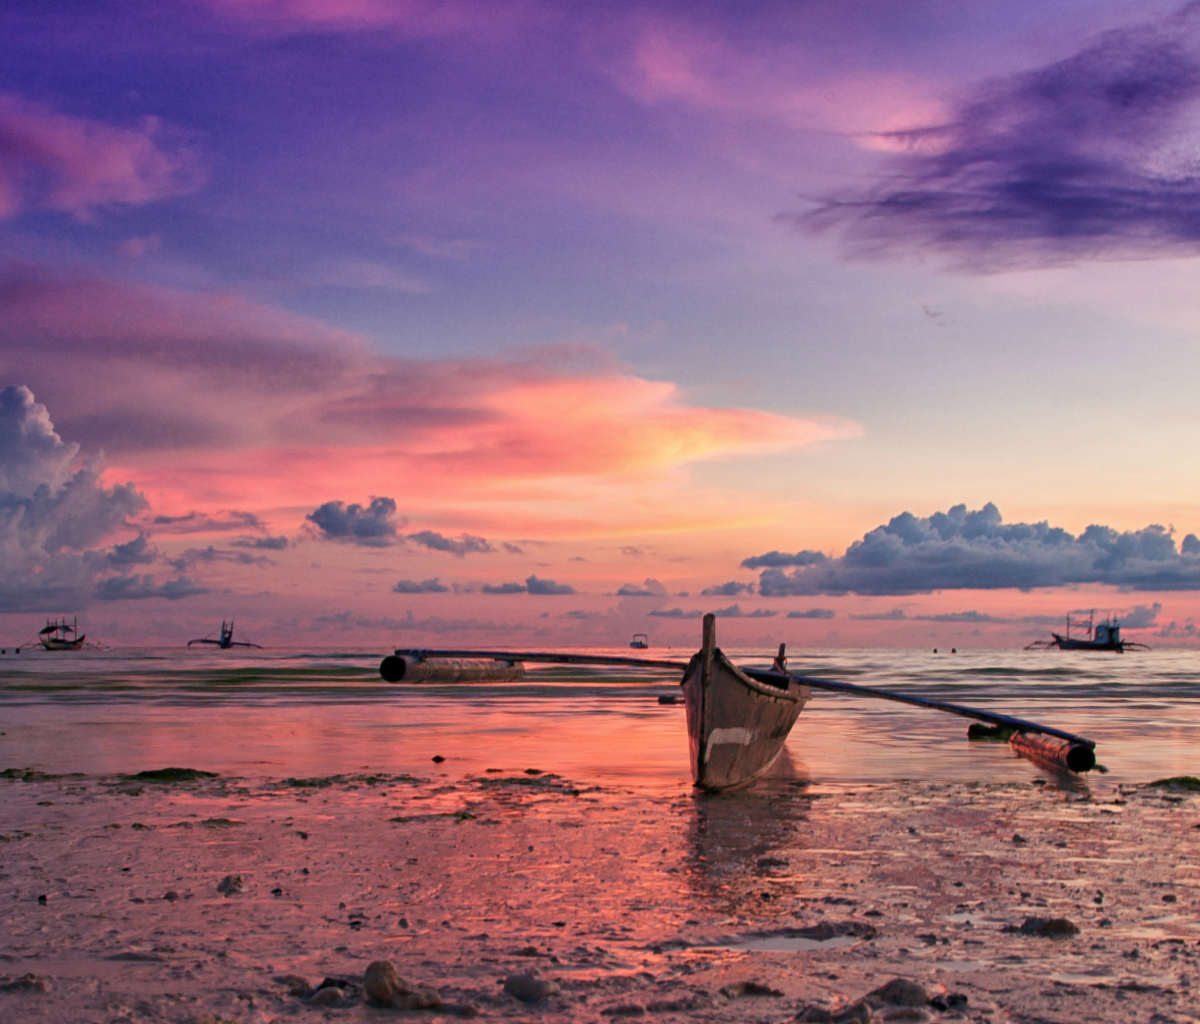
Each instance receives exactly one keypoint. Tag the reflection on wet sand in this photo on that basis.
(230, 898)
(735, 837)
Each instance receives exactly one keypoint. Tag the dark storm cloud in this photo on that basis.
(460, 547)
(433, 586)
(781, 560)
(1089, 157)
(813, 613)
(961, 550)
(373, 526)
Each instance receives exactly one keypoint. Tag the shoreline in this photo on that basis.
(630, 903)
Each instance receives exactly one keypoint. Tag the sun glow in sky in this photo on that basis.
(399, 322)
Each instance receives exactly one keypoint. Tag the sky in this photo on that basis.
(404, 323)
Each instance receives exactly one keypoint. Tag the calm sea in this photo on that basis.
(279, 713)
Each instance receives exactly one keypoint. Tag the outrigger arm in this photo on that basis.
(1073, 753)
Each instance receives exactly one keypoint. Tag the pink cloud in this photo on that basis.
(55, 161)
(673, 62)
(212, 401)
(417, 18)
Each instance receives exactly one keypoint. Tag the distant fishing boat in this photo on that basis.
(1101, 636)
(226, 641)
(61, 635)
(639, 642)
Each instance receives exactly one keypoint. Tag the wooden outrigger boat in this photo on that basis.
(1103, 636)
(739, 719)
(737, 725)
(227, 641)
(61, 635)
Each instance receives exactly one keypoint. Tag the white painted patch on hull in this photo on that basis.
(719, 737)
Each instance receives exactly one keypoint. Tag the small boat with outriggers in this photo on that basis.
(226, 640)
(1101, 636)
(738, 717)
(61, 635)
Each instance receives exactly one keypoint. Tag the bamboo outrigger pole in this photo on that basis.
(1036, 742)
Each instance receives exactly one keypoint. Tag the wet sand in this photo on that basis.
(634, 904)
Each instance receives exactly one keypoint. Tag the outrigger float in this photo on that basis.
(1103, 636)
(739, 718)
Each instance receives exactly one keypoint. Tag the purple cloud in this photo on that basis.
(373, 526)
(433, 586)
(961, 550)
(127, 588)
(1088, 157)
(55, 161)
(460, 547)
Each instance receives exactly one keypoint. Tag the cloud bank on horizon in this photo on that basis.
(1088, 157)
(976, 550)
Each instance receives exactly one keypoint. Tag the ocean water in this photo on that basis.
(296, 713)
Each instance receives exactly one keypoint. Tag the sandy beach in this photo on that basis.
(219, 899)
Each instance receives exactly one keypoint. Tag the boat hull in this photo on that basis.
(1064, 643)
(736, 725)
(62, 645)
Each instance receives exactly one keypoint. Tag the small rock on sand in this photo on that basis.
(1047, 927)
(384, 987)
(857, 1013)
(295, 984)
(330, 995)
(231, 885)
(898, 992)
(748, 988)
(529, 988)
(25, 983)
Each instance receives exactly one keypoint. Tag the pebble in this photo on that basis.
(858, 1013)
(529, 988)
(170, 895)
(384, 987)
(330, 995)
(296, 985)
(231, 885)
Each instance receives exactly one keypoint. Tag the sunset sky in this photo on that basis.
(401, 322)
